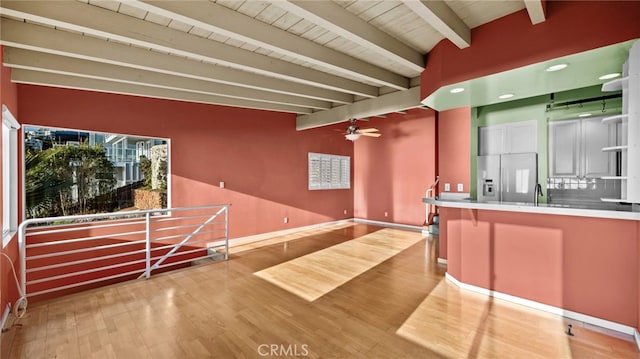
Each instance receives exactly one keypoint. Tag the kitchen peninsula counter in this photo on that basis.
(542, 208)
(578, 262)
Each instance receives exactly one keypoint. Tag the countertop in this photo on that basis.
(543, 208)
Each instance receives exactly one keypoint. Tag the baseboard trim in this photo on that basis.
(5, 316)
(263, 236)
(389, 224)
(636, 336)
(549, 308)
(442, 261)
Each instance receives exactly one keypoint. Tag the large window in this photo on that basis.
(9, 175)
(72, 172)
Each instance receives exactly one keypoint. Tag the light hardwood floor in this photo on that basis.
(318, 273)
(399, 308)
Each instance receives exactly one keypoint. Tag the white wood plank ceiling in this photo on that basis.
(326, 61)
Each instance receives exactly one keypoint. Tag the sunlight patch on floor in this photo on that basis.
(267, 239)
(457, 323)
(316, 274)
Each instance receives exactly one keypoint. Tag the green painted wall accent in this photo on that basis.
(532, 80)
(473, 185)
(535, 108)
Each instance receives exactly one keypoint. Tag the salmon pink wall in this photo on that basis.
(454, 141)
(392, 172)
(258, 154)
(454, 163)
(586, 265)
(9, 98)
(511, 41)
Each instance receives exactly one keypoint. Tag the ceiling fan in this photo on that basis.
(354, 131)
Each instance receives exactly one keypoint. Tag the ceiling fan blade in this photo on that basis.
(369, 134)
(365, 130)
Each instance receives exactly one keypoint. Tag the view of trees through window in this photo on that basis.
(70, 172)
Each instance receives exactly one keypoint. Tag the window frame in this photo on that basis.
(327, 172)
(10, 127)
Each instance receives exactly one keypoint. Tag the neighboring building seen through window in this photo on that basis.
(71, 172)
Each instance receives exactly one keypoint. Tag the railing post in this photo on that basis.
(22, 248)
(147, 271)
(226, 232)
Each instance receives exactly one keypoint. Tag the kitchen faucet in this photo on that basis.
(537, 192)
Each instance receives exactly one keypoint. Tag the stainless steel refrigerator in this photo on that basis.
(507, 178)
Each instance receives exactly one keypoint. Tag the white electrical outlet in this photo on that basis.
(460, 187)
(286, 219)
(221, 184)
(345, 211)
(447, 187)
(386, 214)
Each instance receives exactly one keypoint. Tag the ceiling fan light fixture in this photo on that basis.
(352, 136)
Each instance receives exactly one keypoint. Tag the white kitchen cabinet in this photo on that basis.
(564, 149)
(508, 138)
(596, 136)
(575, 148)
(521, 137)
(490, 141)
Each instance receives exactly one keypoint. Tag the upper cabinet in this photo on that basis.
(522, 137)
(490, 140)
(575, 148)
(508, 138)
(564, 149)
(596, 136)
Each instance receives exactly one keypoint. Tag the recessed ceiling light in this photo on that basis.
(456, 90)
(505, 96)
(584, 115)
(609, 76)
(557, 67)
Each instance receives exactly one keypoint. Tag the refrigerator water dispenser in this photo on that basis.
(487, 188)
